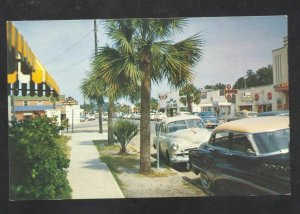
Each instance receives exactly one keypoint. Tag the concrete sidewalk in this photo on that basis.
(88, 176)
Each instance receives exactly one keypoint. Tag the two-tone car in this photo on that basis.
(252, 153)
(177, 135)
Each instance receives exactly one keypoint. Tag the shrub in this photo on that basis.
(124, 131)
(38, 162)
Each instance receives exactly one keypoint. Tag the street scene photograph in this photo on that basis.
(148, 108)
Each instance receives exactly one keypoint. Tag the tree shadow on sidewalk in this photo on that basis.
(96, 164)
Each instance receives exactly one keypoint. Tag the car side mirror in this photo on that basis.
(250, 152)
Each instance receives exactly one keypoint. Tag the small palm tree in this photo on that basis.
(189, 95)
(142, 54)
(53, 100)
(124, 131)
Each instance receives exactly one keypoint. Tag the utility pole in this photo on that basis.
(100, 99)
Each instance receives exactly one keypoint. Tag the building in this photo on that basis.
(23, 107)
(170, 104)
(258, 99)
(214, 100)
(280, 74)
(269, 97)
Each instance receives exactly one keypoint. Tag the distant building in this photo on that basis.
(23, 107)
(214, 100)
(280, 74)
(170, 104)
(259, 99)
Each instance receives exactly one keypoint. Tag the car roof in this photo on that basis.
(256, 124)
(180, 117)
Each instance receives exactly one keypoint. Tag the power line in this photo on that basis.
(73, 64)
(64, 52)
(61, 54)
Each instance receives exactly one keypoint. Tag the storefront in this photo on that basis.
(260, 99)
(283, 89)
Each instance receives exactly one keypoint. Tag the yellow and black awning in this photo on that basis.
(24, 68)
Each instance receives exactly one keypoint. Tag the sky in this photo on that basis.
(232, 45)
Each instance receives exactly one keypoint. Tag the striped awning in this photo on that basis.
(23, 66)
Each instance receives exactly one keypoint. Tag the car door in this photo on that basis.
(162, 138)
(218, 150)
(242, 160)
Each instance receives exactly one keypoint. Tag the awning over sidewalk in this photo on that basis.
(24, 68)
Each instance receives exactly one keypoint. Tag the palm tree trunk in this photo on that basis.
(109, 121)
(100, 109)
(145, 164)
(190, 107)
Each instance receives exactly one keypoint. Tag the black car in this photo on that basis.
(252, 153)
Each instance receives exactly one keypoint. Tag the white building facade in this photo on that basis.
(280, 74)
(214, 100)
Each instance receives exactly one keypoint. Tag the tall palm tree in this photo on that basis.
(189, 95)
(143, 54)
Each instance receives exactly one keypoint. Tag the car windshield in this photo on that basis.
(185, 124)
(208, 114)
(275, 141)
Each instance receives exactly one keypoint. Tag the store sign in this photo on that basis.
(269, 95)
(247, 98)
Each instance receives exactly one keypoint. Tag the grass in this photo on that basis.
(128, 162)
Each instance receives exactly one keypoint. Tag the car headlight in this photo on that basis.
(175, 146)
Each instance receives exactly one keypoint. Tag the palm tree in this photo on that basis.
(189, 95)
(94, 91)
(142, 54)
(95, 87)
(53, 100)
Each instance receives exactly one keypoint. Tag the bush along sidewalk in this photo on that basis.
(124, 131)
(38, 160)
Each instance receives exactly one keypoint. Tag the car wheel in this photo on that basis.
(205, 181)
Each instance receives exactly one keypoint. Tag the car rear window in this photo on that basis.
(275, 141)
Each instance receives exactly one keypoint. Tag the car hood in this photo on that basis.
(189, 138)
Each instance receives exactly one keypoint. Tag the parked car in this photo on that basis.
(273, 113)
(252, 153)
(82, 118)
(161, 116)
(176, 135)
(243, 114)
(104, 117)
(91, 117)
(184, 113)
(210, 118)
(153, 116)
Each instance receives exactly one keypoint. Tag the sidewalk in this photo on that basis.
(88, 177)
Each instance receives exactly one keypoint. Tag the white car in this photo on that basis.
(91, 117)
(177, 135)
(161, 116)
